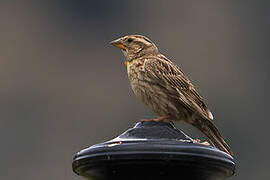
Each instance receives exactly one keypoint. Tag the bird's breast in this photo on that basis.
(148, 91)
(156, 97)
(137, 78)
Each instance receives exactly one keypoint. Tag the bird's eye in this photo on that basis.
(130, 40)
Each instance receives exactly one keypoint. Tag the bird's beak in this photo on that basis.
(118, 43)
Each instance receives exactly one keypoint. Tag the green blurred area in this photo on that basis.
(63, 87)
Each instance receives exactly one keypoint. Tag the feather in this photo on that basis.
(168, 74)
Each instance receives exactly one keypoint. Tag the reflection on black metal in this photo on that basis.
(153, 150)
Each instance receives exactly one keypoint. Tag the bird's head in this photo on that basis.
(134, 46)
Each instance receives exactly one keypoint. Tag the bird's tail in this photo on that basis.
(211, 131)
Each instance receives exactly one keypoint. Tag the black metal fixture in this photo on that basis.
(153, 150)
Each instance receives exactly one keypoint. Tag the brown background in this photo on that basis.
(63, 87)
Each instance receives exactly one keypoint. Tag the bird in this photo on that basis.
(163, 87)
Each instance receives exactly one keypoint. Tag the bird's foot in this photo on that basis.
(160, 119)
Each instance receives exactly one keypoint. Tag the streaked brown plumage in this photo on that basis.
(164, 88)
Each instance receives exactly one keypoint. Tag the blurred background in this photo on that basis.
(64, 88)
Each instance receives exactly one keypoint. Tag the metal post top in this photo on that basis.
(153, 149)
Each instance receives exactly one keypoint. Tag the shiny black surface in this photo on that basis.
(153, 149)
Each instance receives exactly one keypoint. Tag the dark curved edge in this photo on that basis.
(153, 149)
(129, 152)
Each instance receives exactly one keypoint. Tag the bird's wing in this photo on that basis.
(172, 78)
